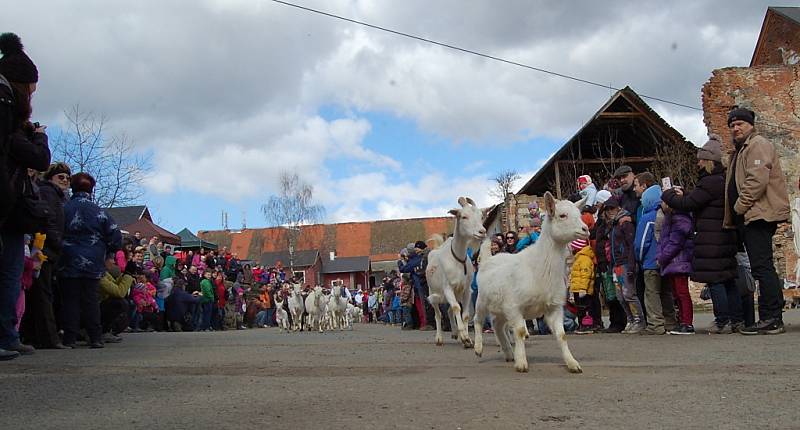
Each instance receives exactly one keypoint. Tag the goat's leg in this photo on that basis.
(555, 320)
(453, 323)
(456, 308)
(520, 334)
(438, 317)
(477, 322)
(501, 333)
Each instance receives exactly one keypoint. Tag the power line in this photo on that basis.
(495, 58)
(479, 54)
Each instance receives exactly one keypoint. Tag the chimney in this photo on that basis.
(333, 255)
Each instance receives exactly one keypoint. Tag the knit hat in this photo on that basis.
(712, 150)
(420, 244)
(603, 196)
(611, 203)
(55, 169)
(15, 65)
(578, 244)
(584, 179)
(741, 114)
(533, 205)
(622, 171)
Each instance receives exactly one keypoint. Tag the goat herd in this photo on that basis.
(512, 287)
(322, 312)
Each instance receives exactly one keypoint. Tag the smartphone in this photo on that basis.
(666, 183)
(36, 125)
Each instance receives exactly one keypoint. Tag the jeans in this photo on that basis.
(626, 290)
(262, 318)
(727, 303)
(408, 320)
(197, 315)
(80, 302)
(12, 260)
(270, 316)
(114, 315)
(758, 242)
(206, 311)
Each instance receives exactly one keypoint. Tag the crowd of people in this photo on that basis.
(67, 274)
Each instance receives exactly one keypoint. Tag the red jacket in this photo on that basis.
(219, 286)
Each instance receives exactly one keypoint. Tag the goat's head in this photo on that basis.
(469, 220)
(564, 219)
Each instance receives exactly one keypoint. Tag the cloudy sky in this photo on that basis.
(227, 94)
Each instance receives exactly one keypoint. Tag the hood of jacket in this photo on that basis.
(651, 198)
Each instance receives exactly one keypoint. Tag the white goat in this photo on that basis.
(337, 306)
(449, 274)
(281, 317)
(314, 309)
(517, 287)
(353, 313)
(296, 307)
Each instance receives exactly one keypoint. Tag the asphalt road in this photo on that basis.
(379, 377)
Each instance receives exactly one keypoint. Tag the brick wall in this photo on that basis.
(773, 92)
(779, 42)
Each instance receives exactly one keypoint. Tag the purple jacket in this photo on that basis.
(675, 248)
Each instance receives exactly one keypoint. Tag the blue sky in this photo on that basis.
(228, 94)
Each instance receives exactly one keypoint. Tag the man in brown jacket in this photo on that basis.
(755, 202)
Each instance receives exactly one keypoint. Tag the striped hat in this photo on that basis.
(578, 244)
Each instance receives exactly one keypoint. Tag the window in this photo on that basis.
(301, 275)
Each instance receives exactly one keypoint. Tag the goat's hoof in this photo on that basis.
(479, 351)
(521, 368)
(439, 342)
(575, 368)
(468, 343)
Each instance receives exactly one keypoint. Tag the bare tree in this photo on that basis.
(112, 160)
(292, 208)
(504, 183)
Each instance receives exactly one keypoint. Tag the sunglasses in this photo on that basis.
(62, 176)
(510, 238)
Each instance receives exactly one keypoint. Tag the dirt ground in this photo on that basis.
(380, 377)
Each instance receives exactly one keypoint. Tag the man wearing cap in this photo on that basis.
(628, 199)
(756, 200)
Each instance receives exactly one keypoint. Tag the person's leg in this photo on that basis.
(90, 309)
(632, 300)
(652, 298)
(758, 242)
(748, 309)
(680, 289)
(719, 302)
(734, 303)
(668, 307)
(639, 291)
(12, 260)
(45, 319)
(70, 309)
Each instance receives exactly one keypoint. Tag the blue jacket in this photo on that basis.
(645, 243)
(414, 267)
(527, 241)
(89, 235)
(178, 304)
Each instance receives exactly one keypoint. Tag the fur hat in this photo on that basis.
(712, 150)
(741, 114)
(55, 169)
(15, 65)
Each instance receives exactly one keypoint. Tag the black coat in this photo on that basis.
(54, 197)
(714, 247)
(20, 149)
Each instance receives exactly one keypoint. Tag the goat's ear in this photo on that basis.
(582, 202)
(484, 212)
(462, 201)
(454, 212)
(549, 204)
(472, 202)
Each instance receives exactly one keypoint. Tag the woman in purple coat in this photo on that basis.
(675, 248)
